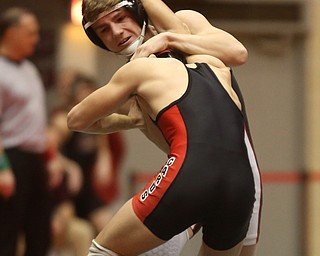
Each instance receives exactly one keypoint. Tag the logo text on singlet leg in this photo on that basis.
(158, 179)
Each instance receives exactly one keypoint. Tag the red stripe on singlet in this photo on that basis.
(146, 201)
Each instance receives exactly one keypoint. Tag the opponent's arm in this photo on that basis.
(200, 37)
(163, 18)
(208, 39)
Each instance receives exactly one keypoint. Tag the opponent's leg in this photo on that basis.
(207, 251)
(249, 250)
(98, 250)
(125, 234)
(175, 245)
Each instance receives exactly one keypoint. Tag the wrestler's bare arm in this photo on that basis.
(96, 113)
(128, 117)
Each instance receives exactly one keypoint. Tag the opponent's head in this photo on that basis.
(115, 25)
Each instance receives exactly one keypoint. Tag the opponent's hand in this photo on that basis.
(155, 44)
(7, 183)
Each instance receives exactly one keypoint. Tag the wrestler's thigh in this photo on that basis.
(125, 234)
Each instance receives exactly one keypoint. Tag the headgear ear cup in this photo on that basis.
(134, 8)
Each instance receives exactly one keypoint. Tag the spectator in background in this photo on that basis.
(24, 191)
(98, 156)
(58, 93)
(70, 235)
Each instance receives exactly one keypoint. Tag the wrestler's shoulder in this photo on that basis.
(153, 65)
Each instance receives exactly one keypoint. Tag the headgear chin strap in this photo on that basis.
(129, 51)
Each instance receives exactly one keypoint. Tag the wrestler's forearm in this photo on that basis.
(219, 44)
(113, 123)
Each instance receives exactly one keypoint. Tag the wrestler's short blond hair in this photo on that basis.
(92, 8)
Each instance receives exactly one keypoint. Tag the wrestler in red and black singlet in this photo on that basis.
(208, 177)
